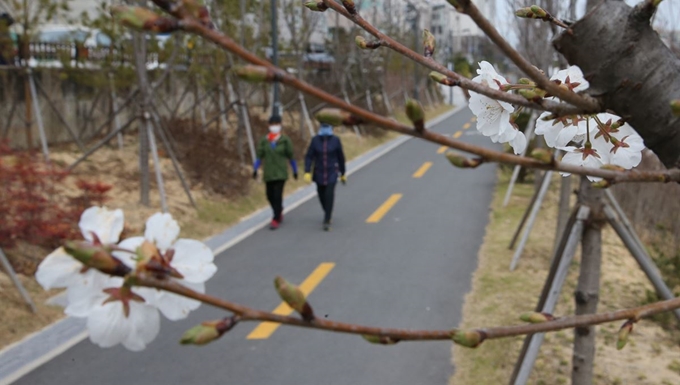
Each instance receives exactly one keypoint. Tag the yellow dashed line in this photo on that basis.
(422, 170)
(384, 208)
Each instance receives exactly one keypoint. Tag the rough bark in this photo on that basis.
(631, 70)
(588, 287)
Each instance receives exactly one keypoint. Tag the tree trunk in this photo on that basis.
(588, 288)
(631, 70)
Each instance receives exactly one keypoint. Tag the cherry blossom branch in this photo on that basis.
(189, 23)
(585, 102)
(560, 109)
(246, 313)
(486, 154)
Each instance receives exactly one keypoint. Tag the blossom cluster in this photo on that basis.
(590, 141)
(117, 312)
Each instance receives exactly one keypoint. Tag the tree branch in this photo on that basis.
(488, 155)
(250, 314)
(583, 101)
(560, 109)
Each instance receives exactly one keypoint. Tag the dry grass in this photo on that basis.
(498, 296)
(120, 168)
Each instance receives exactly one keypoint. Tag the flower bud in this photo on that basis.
(443, 79)
(461, 161)
(255, 74)
(612, 167)
(539, 13)
(382, 340)
(624, 332)
(468, 338)
(349, 6)
(97, 257)
(416, 114)
(525, 81)
(143, 19)
(675, 107)
(336, 117)
(207, 331)
(601, 184)
(524, 12)
(429, 43)
(536, 317)
(542, 155)
(534, 94)
(362, 43)
(149, 259)
(316, 6)
(294, 297)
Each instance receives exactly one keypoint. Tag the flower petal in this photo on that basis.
(144, 323)
(109, 327)
(87, 292)
(162, 230)
(194, 260)
(58, 269)
(107, 324)
(519, 143)
(176, 307)
(105, 223)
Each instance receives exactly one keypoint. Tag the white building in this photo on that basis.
(457, 33)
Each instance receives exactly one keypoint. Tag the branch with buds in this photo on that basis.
(536, 12)
(461, 81)
(537, 322)
(191, 24)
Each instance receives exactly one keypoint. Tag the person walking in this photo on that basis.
(326, 155)
(274, 152)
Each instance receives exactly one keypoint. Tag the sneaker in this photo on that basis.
(274, 225)
(326, 226)
(281, 218)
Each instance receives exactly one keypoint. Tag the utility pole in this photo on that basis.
(276, 104)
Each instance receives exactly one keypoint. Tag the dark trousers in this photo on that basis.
(326, 196)
(275, 197)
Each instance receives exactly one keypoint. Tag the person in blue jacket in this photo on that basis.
(325, 154)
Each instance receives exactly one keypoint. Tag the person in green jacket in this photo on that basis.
(274, 152)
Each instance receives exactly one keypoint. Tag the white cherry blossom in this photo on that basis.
(191, 258)
(573, 78)
(559, 132)
(493, 116)
(591, 158)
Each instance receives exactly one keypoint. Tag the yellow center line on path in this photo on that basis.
(466, 126)
(442, 149)
(384, 208)
(457, 134)
(422, 170)
(265, 329)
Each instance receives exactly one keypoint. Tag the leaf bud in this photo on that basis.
(293, 297)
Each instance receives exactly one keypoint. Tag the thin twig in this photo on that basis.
(561, 109)
(585, 102)
(249, 314)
